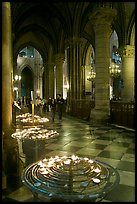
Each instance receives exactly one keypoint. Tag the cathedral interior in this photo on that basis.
(85, 52)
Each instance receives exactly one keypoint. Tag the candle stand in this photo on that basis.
(33, 141)
(30, 120)
(70, 179)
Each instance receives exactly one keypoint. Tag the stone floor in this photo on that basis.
(110, 144)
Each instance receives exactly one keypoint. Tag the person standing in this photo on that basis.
(60, 104)
(44, 105)
(37, 105)
(53, 108)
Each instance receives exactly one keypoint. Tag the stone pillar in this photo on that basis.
(41, 86)
(35, 86)
(9, 149)
(102, 19)
(128, 70)
(74, 68)
(46, 81)
(59, 60)
(83, 96)
(19, 85)
(7, 67)
(49, 80)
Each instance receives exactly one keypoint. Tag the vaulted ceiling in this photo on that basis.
(47, 25)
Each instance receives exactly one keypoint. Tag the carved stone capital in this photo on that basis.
(73, 42)
(102, 19)
(103, 15)
(59, 58)
(127, 51)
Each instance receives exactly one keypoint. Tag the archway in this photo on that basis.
(27, 84)
(115, 68)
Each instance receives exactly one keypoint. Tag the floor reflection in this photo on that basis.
(110, 144)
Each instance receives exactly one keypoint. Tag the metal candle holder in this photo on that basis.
(27, 118)
(70, 178)
(33, 141)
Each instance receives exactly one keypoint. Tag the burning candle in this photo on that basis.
(67, 161)
(96, 180)
(97, 170)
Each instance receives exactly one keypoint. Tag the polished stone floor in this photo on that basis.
(111, 144)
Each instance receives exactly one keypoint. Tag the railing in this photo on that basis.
(120, 113)
(82, 108)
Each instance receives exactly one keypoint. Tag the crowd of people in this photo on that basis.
(42, 106)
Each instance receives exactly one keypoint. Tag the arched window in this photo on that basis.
(115, 68)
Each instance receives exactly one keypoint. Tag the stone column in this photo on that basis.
(74, 68)
(59, 60)
(102, 19)
(35, 86)
(9, 148)
(7, 67)
(128, 70)
(49, 81)
(82, 70)
(41, 86)
(19, 84)
(46, 80)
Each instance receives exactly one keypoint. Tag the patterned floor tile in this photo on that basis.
(111, 154)
(76, 144)
(96, 146)
(54, 146)
(112, 162)
(131, 151)
(127, 178)
(126, 140)
(100, 141)
(58, 153)
(126, 166)
(70, 148)
(109, 144)
(116, 148)
(88, 151)
(128, 157)
(121, 144)
(122, 193)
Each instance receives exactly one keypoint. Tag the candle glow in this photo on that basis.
(34, 133)
(27, 118)
(70, 176)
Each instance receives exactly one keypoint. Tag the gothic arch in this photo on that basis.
(132, 35)
(27, 82)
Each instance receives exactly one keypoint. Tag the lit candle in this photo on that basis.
(86, 159)
(74, 157)
(44, 171)
(97, 170)
(90, 161)
(96, 180)
(67, 161)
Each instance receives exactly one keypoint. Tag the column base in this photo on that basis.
(99, 117)
(10, 158)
